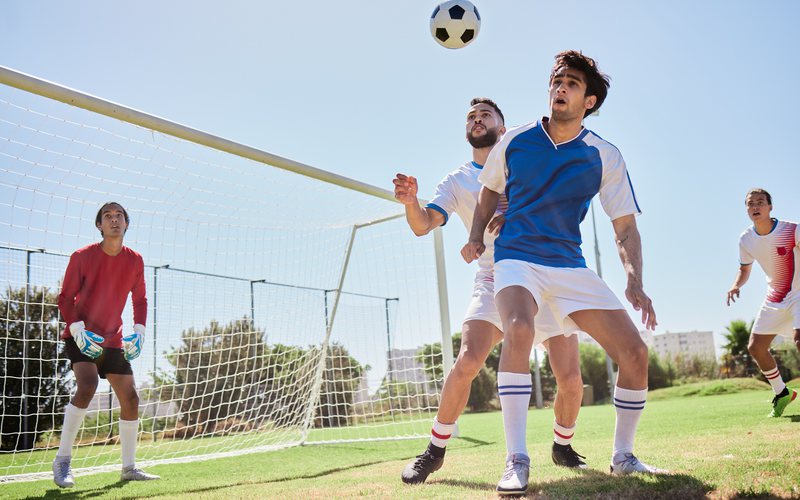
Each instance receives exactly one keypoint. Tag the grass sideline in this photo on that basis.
(718, 446)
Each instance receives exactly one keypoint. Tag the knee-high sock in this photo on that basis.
(73, 418)
(629, 405)
(514, 390)
(128, 431)
(775, 380)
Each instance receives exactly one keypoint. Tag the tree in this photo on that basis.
(593, 369)
(341, 380)
(35, 385)
(736, 360)
(219, 373)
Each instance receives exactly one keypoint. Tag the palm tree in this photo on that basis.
(738, 336)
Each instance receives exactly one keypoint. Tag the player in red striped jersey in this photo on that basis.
(775, 245)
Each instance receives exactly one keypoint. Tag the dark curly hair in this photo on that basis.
(597, 83)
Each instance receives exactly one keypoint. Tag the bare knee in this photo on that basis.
(468, 364)
(635, 356)
(84, 393)
(517, 328)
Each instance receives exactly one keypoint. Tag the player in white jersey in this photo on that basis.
(550, 171)
(775, 245)
(482, 329)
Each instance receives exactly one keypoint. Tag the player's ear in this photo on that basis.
(590, 101)
(502, 129)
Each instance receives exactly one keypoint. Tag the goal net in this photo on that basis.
(283, 309)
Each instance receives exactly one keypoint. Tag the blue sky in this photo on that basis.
(702, 103)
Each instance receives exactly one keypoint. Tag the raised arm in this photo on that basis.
(420, 220)
(741, 278)
(629, 246)
(484, 210)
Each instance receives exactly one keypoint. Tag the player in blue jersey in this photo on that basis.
(550, 170)
(458, 193)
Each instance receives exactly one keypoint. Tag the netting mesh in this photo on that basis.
(251, 345)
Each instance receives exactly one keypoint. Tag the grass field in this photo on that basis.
(718, 446)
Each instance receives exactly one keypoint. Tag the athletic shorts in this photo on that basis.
(482, 307)
(779, 318)
(111, 361)
(562, 290)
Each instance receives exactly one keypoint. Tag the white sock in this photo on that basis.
(514, 390)
(629, 405)
(775, 380)
(73, 418)
(563, 435)
(128, 431)
(440, 433)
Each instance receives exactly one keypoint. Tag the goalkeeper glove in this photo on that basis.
(132, 344)
(88, 342)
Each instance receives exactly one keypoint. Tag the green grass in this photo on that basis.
(718, 446)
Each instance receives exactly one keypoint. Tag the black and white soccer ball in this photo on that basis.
(455, 24)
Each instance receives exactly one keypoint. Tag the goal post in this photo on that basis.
(287, 305)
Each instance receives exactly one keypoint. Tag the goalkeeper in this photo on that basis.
(96, 285)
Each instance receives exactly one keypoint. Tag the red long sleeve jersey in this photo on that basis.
(96, 287)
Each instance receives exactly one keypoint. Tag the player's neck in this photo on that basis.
(479, 155)
(562, 130)
(111, 246)
(765, 226)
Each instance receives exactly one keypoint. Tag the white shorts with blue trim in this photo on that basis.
(562, 290)
(779, 318)
(482, 307)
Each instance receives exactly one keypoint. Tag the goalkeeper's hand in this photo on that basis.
(132, 344)
(88, 342)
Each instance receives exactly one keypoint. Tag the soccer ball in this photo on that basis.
(455, 24)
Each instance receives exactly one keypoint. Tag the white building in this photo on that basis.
(694, 343)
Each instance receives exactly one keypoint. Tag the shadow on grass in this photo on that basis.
(57, 492)
(599, 485)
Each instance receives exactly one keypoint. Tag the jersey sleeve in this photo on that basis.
(495, 174)
(445, 199)
(616, 190)
(139, 294)
(745, 257)
(69, 289)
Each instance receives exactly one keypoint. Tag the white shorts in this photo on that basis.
(562, 290)
(779, 318)
(482, 307)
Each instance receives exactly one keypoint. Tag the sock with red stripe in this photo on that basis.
(563, 435)
(775, 380)
(440, 435)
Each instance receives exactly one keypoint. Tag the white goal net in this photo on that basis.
(282, 309)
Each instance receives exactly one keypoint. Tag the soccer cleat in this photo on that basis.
(136, 474)
(423, 466)
(62, 472)
(565, 456)
(630, 464)
(781, 401)
(515, 477)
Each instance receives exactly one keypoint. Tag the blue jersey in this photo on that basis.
(549, 187)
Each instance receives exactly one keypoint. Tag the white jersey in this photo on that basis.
(458, 192)
(778, 253)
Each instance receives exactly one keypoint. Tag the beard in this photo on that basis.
(488, 139)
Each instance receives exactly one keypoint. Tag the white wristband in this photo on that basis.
(138, 329)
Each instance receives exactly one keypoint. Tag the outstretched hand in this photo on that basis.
(641, 302)
(733, 294)
(405, 189)
(472, 250)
